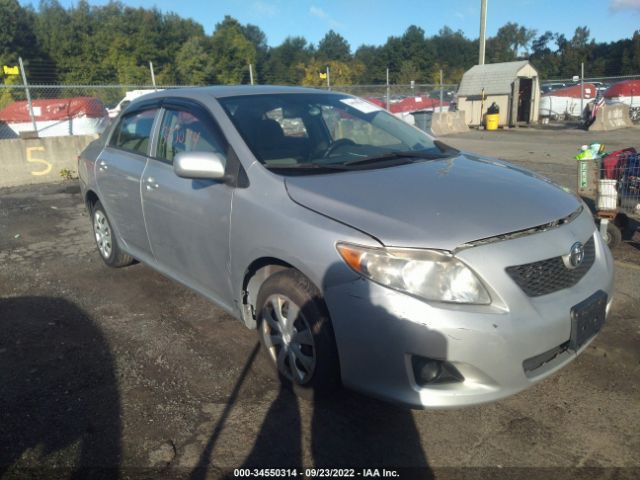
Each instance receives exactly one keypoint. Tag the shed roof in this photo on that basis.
(495, 78)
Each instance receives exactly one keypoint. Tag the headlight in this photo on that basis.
(428, 274)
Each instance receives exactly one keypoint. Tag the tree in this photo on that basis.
(374, 63)
(8, 95)
(543, 57)
(16, 34)
(410, 72)
(113, 43)
(454, 54)
(194, 66)
(333, 46)
(341, 73)
(285, 64)
(575, 51)
(510, 39)
(232, 52)
(416, 50)
(258, 38)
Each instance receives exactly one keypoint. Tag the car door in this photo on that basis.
(119, 169)
(188, 219)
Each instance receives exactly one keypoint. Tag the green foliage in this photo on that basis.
(341, 73)
(285, 64)
(233, 52)
(333, 47)
(8, 95)
(67, 174)
(631, 55)
(114, 43)
(193, 64)
(16, 31)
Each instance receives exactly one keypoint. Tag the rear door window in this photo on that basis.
(133, 133)
(183, 131)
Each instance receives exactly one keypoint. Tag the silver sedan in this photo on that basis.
(364, 252)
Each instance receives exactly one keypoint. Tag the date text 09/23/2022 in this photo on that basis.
(314, 473)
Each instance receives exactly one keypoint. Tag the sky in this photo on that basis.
(371, 22)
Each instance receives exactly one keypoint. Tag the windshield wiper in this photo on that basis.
(399, 156)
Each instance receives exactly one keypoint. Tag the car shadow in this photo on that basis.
(59, 401)
(347, 430)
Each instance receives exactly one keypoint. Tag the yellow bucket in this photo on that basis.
(492, 121)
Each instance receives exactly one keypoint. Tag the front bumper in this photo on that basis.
(378, 330)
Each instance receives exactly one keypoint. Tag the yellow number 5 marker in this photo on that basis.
(30, 159)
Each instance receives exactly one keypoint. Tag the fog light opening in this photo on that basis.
(429, 371)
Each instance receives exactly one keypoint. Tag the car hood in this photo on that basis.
(439, 204)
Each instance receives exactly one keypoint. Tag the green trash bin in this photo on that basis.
(589, 161)
(588, 176)
(422, 120)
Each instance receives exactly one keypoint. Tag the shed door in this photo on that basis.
(524, 99)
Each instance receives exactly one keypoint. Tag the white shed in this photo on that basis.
(513, 86)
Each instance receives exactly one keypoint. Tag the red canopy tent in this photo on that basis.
(626, 88)
(53, 109)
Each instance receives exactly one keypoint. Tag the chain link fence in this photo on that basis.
(57, 110)
(399, 92)
(80, 109)
(557, 106)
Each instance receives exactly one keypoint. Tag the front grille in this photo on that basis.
(548, 276)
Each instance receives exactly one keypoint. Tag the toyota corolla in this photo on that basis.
(364, 252)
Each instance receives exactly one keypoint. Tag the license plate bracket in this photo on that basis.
(587, 318)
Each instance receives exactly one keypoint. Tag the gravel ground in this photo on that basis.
(108, 373)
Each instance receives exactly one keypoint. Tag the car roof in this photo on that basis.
(221, 91)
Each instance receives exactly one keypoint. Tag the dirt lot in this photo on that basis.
(127, 372)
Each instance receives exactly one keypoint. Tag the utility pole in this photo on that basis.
(251, 73)
(581, 89)
(26, 89)
(483, 28)
(328, 79)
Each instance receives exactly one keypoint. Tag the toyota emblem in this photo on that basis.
(576, 254)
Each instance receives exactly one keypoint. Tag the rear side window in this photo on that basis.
(134, 131)
(183, 131)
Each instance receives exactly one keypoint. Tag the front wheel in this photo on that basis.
(297, 335)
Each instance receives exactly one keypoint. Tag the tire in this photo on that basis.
(614, 235)
(106, 241)
(301, 349)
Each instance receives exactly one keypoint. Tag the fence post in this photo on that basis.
(153, 76)
(441, 91)
(387, 89)
(26, 89)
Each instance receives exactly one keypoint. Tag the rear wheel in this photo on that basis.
(106, 241)
(296, 333)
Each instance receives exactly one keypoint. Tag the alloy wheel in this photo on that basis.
(288, 338)
(102, 231)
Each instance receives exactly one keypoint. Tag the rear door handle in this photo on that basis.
(102, 166)
(151, 184)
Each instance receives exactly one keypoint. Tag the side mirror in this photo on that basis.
(199, 165)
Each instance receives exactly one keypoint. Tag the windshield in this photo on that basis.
(318, 132)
